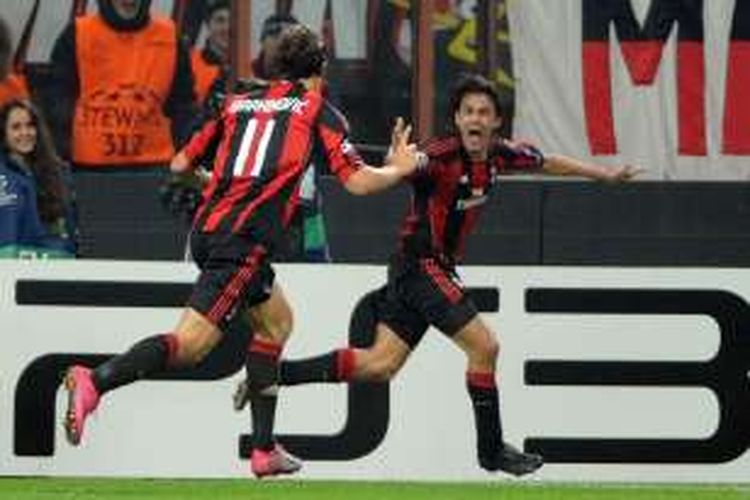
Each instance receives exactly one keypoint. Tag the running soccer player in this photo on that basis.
(262, 142)
(423, 287)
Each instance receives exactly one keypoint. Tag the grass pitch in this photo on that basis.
(247, 489)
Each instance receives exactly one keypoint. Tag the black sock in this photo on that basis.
(263, 375)
(147, 356)
(332, 367)
(486, 403)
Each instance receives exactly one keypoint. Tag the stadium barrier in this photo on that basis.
(527, 222)
(615, 374)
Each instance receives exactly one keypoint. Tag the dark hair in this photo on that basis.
(45, 164)
(300, 53)
(213, 6)
(109, 14)
(473, 83)
(276, 23)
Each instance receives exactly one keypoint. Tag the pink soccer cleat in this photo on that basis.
(274, 462)
(83, 398)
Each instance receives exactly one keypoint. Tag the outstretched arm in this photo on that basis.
(401, 162)
(556, 164)
(184, 165)
(202, 142)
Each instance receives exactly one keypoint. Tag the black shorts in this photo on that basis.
(235, 274)
(423, 293)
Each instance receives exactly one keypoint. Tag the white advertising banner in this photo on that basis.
(614, 374)
(659, 83)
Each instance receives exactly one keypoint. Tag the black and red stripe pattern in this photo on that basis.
(236, 285)
(265, 347)
(642, 48)
(449, 193)
(346, 363)
(482, 380)
(264, 140)
(439, 277)
(172, 347)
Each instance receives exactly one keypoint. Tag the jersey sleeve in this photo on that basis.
(201, 148)
(432, 153)
(336, 151)
(519, 157)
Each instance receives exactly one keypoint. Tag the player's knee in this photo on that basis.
(280, 328)
(487, 351)
(383, 370)
(492, 348)
(191, 353)
(193, 348)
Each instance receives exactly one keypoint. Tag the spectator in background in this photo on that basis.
(12, 84)
(210, 62)
(124, 85)
(36, 209)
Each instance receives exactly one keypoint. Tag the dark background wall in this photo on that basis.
(120, 216)
(528, 222)
(571, 223)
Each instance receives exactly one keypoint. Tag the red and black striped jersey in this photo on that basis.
(264, 138)
(449, 192)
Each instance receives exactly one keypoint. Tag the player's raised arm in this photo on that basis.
(401, 161)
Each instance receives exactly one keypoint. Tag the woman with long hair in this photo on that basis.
(26, 149)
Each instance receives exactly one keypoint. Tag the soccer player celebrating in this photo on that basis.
(262, 142)
(423, 287)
